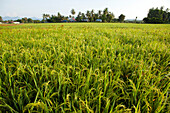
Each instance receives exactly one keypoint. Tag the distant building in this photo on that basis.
(0, 22)
(85, 20)
(16, 22)
(72, 20)
(98, 20)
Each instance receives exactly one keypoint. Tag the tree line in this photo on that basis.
(155, 15)
(158, 16)
(23, 20)
(91, 16)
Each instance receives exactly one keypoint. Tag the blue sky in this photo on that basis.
(35, 8)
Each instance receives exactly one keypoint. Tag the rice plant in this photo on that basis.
(85, 67)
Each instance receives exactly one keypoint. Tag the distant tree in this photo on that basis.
(136, 19)
(5, 21)
(1, 19)
(73, 12)
(110, 16)
(54, 18)
(80, 13)
(100, 13)
(104, 18)
(19, 20)
(145, 20)
(37, 21)
(92, 15)
(121, 18)
(88, 14)
(79, 17)
(105, 11)
(30, 20)
(59, 15)
(115, 20)
(58, 18)
(24, 20)
(45, 16)
(105, 15)
(83, 16)
(96, 16)
(156, 15)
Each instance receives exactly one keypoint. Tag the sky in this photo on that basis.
(35, 8)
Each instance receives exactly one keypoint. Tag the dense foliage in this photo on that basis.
(1, 19)
(76, 67)
(28, 20)
(121, 18)
(157, 16)
(105, 16)
(55, 19)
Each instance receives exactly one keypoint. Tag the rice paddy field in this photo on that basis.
(85, 68)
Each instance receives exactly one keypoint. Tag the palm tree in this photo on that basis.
(59, 15)
(96, 16)
(109, 17)
(80, 14)
(83, 16)
(104, 16)
(73, 12)
(100, 13)
(92, 15)
(79, 17)
(45, 17)
(167, 10)
(88, 14)
(92, 11)
(105, 12)
(136, 19)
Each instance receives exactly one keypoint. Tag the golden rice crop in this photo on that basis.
(85, 67)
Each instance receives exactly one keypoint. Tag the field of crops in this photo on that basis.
(85, 67)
